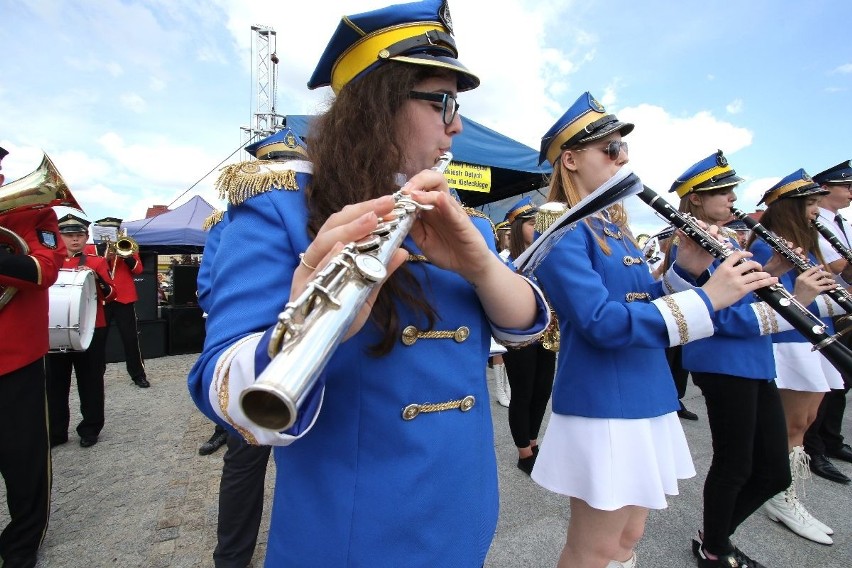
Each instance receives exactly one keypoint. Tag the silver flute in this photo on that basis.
(312, 326)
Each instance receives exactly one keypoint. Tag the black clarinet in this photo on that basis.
(776, 295)
(833, 240)
(838, 293)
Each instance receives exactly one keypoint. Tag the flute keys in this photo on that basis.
(370, 267)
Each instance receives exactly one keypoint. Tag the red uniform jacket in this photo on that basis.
(125, 288)
(105, 287)
(24, 320)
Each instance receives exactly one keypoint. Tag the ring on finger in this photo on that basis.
(304, 262)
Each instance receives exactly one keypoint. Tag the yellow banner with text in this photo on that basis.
(468, 177)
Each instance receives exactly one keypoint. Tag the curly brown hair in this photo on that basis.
(356, 155)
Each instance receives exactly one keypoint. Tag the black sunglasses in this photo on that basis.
(449, 103)
(613, 149)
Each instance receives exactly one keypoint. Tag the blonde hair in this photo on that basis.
(562, 188)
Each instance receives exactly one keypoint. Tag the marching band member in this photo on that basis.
(823, 439)
(614, 444)
(89, 365)
(749, 463)
(803, 374)
(420, 344)
(24, 446)
(529, 368)
(241, 489)
(122, 309)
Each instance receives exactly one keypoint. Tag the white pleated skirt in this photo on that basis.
(610, 462)
(799, 368)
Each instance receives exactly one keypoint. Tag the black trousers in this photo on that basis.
(674, 355)
(240, 502)
(125, 318)
(89, 367)
(24, 463)
(750, 459)
(823, 435)
(530, 370)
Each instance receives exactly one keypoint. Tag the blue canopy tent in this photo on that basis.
(514, 166)
(176, 231)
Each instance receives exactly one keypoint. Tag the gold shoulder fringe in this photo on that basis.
(212, 219)
(238, 182)
(471, 212)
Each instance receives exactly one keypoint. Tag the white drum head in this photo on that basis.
(73, 309)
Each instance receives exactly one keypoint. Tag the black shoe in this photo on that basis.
(844, 452)
(823, 467)
(216, 441)
(142, 383)
(686, 414)
(745, 561)
(526, 464)
(726, 561)
(88, 441)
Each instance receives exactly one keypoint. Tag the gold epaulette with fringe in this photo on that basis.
(212, 219)
(471, 212)
(238, 182)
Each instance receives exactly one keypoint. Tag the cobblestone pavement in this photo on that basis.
(143, 496)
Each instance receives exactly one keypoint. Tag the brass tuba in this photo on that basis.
(44, 187)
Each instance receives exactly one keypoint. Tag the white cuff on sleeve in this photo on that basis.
(234, 373)
(768, 319)
(686, 315)
(674, 282)
(828, 308)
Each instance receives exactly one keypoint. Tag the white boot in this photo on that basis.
(501, 385)
(800, 469)
(631, 563)
(785, 508)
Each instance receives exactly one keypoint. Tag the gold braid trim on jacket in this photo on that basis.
(238, 182)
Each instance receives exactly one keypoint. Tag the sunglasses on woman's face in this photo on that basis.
(449, 103)
(613, 149)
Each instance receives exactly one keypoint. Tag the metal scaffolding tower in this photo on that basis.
(266, 120)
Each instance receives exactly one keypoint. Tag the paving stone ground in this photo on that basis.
(143, 496)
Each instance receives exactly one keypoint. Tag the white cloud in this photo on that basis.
(845, 68)
(735, 106)
(663, 146)
(133, 102)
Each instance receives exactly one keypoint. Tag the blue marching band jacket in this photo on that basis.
(354, 436)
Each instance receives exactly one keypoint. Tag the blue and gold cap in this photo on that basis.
(797, 184)
(713, 172)
(523, 209)
(502, 226)
(841, 173)
(585, 121)
(71, 224)
(282, 145)
(419, 33)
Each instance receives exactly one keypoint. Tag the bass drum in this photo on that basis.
(73, 308)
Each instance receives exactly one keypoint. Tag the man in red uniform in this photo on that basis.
(123, 308)
(24, 448)
(89, 365)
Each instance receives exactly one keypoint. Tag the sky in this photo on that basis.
(140, 102)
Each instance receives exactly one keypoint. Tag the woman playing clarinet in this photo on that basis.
(749, 463)
(614, 444)
(804, 375)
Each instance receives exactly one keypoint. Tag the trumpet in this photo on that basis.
(312, 326)
(43, 187)
(123, 247)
